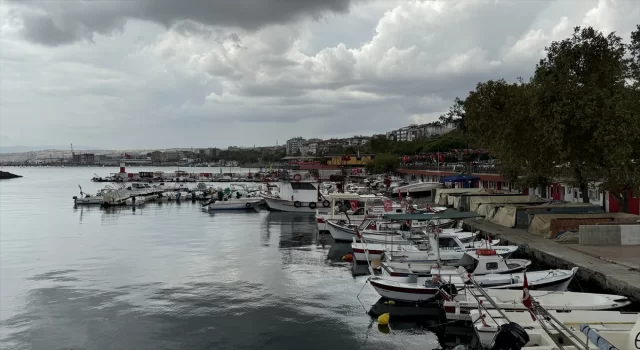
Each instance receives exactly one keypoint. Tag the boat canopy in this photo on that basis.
(459, 178)
(438, 216)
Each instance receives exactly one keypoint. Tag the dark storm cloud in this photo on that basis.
(60, 22)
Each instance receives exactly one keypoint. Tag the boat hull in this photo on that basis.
(340, 233)
(321, 220)
(234, 205)
(510, 300)
(277, 204)
(361, 254)
(401, 293)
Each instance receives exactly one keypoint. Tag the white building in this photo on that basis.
(294, 144)
(309, 149)
(356, 141)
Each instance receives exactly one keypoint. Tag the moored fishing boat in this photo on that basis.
(358, 208)
(418, 188)
(458, 305)
(235, 204)
(477, 262)
(300, 193)
(614, 326)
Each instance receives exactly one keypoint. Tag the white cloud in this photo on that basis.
(400, 62)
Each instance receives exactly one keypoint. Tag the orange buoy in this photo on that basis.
(486, 251)
(347, 257)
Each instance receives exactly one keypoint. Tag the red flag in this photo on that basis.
(358, 233)
(354, 205)
(429, 208)
(388, 205)
(527, 300)
(399, 195)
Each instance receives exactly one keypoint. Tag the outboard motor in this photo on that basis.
(510, 336)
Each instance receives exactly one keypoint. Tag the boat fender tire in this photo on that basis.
(297, 177)
(297, 204)
(312, 205)
(248, 205)
(326, 203)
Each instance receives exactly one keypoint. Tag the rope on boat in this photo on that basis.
(358, 296)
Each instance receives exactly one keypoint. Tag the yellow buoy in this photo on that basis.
(391, 302)
(383, 319)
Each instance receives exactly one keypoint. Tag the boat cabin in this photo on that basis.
(485, 262)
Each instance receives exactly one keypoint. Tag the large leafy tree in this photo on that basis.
(457, 116)
(634, 61)
(497, 115)
(580, 106)
(383, 163)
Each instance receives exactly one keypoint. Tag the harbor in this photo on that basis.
(378, 256)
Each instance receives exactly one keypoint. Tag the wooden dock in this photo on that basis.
(615, 269)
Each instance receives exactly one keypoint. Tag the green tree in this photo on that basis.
(580, 96)
(383, 163)
(622, 162)
(457, 116)
(380, 144)
(496, 113)
(634, 61)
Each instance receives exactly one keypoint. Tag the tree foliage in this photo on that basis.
(383, 163)
(577, 119)
(443, 143)
(457, 115)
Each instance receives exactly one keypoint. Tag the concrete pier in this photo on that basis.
(612, 268)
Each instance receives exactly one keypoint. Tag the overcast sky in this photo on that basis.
(198, 73)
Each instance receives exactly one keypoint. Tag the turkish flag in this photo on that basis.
(527, 300)
(354, 205)
(388, 205)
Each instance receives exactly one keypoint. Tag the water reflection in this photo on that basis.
(171, 276)
(196, 315)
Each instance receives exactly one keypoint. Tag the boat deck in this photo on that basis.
(613, 268)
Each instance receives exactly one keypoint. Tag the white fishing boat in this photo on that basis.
(301, 195)
(87, 199)
(374, 225)
(476, 262)
(614, 326)
(451, 251)
(414, 289)
(235, 204)
(458, 305)
(418, 188)
(135, 201)
(550, 280)
(365, 205)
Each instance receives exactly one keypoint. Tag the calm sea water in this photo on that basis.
(171, 276)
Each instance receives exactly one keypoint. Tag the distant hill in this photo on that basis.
(21, 149)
